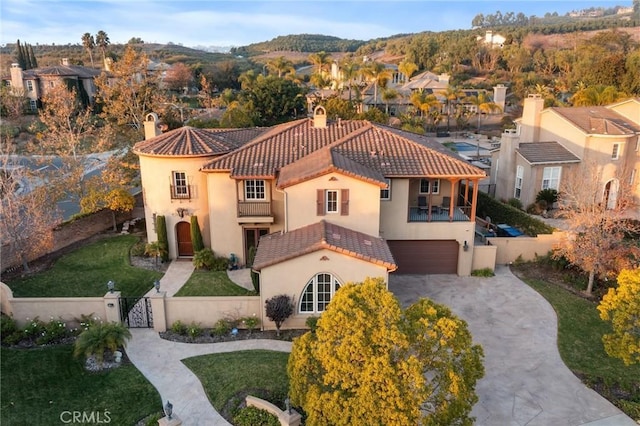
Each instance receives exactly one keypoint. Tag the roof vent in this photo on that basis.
(258, 164)
(367, 242)
(336, 236)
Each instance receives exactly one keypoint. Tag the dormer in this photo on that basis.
(320, 117)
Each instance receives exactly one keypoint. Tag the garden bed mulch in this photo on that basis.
(208, 337)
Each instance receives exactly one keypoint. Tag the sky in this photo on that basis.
(242, 22)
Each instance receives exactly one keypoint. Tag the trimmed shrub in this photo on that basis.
(250, 322)
(203, 259)
(549, 195)
(138, 249)
(514, 202)
(179, 327)
(8, 326)
(252, 416)
(161, 230)
(484, 272)
(54, 331)
(278, 309)
(194, 330)
(221, 327)
(196, 235)
(255, 277)
(312, 323)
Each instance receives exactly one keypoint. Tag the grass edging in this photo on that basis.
(580, 332)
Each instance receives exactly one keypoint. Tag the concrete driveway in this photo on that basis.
(526, 382)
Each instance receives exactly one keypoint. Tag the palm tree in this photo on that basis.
(280, 65)
(379, 74)
(407, 68)
(349, 70)
(596, 95)
(89, 44)
(99, 338)
(247, 79)
(389, 95)
(483, 104)
(102, 41)
(321, 61)
(451, 95)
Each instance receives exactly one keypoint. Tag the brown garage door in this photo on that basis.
(425, 256)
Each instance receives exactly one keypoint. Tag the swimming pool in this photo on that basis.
(464, 146)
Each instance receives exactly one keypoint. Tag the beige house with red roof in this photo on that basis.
(549, 142)
(324, 202)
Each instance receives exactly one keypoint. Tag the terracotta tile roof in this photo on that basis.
(193, 142)
(597, 120)
(279, 247)
(324, 161)
(546, 152)
(63, 70)
(281, 145)
(382, 150)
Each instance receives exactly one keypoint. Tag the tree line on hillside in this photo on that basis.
(300, 43)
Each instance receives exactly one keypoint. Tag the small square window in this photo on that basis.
(615, 153)
(385, 193)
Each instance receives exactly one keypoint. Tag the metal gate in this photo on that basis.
(136, 312)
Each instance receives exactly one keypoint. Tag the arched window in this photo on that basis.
(318, 293)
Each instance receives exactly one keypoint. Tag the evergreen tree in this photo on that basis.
(20, 56)
(196, 235)
(161, 229)
(32, 58)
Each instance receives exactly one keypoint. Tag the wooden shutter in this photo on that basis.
(320, 202)
(344, 202)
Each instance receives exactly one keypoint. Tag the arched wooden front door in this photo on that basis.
(183, 236)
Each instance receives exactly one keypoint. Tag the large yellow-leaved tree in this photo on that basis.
(621, 306)
(370, 362)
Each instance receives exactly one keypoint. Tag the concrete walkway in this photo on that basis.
(177, 274)
(159, 361)
(526, 382)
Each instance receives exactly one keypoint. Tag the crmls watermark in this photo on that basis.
(85, 417)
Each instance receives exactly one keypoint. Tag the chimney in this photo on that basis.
(530, 122)
(151, 126)
(17, 85)
(500, 95)
(107, 64)
(65, 62)
(320, 117)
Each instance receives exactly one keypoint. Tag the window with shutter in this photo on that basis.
(320, 202)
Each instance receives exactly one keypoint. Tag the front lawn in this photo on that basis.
(211, 283)
(86, 271)
(580, 332)
(228, 377)
(40, 385)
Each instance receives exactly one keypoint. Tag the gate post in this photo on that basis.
(112, 307)
(158, 308)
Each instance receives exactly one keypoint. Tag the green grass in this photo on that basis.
(225, 375)
(580, 332)
(86, 271)
(39, 384)
(211, 283)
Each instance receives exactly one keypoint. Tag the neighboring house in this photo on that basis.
(493, 40)
(35, 83)
(324, 202)
(549, 143)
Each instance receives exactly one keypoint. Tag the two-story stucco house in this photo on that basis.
(35, 83)
(324, 202)
(549, 142)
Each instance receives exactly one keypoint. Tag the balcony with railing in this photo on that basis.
(255, 212)
(181, 192)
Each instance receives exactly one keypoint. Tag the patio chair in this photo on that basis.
(422, 203)
(446, 202)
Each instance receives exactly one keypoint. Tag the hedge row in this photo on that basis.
(500, 212)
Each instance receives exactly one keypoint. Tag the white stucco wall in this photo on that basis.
(364, 203)
(156, 176)
(291, 278)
